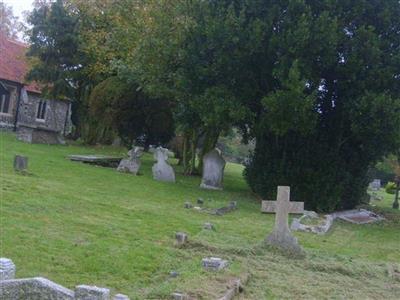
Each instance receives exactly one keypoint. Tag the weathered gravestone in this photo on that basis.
(281, 236)
(181, 238)
(375, 184)
(162, 171)
(213, 170)
(131, 164)
(20, 163)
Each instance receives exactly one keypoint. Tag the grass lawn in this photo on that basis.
(80, 224)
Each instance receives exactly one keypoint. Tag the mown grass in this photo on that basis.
(79, 224)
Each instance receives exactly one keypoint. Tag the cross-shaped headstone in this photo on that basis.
(281, 236)
(270, 207)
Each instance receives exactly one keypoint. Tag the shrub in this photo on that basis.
(390, 187)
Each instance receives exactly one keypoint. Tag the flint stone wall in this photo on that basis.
(39, 288)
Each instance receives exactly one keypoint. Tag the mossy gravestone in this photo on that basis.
(131, 164)
(162, 171)
(213, 170)
(20, 163)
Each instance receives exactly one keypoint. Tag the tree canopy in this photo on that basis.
(315, 83)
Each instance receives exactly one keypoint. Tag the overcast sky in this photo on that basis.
(19, 6)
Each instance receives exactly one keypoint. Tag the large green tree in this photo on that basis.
(54, 45)
(124, 108)
(332, 109)
(315, 82)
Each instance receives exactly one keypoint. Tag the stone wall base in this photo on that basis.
(39, 136)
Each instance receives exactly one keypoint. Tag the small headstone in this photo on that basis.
(7, 269)
(213, 170)
(233, 204)
(121, 297)
(131, 164)
(188, 205)
(281, 236)
(208, 226)
(162, 171)
(200, 201)
(181, 238)
(173, 274)
(86, 292)
(214, 263)
(20, 163)
(375, 184)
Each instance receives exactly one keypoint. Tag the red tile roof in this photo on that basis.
(13, 63)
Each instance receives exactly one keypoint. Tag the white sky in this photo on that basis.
(19, 6)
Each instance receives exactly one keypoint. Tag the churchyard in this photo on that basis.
(76, 223)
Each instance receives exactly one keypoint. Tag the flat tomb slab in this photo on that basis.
(294, 207)
(361, 216)
(101, 160)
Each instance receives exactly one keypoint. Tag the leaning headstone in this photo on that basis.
(7, 269)
(20, 163)
(214, 263)
(226, 209)
(131, 164)
(86, 292)
(162, 171)
(281, 236)
(213, 170)
(181, 238)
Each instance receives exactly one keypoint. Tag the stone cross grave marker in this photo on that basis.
(281, 236)
(293, 207)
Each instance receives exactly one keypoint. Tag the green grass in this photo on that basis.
(80, 224)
